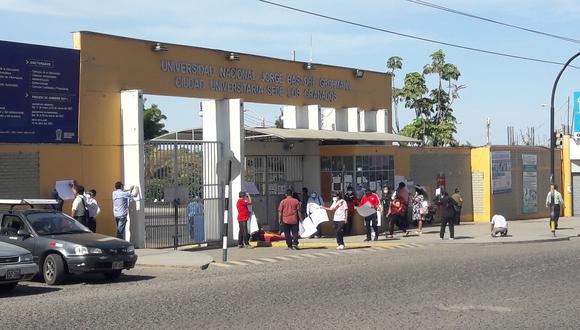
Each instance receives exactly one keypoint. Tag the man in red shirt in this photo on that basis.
(288, 215)
(243, 218)
(373, 200)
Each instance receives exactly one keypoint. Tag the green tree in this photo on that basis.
(395, 63)
(152, 125)
(434, 121)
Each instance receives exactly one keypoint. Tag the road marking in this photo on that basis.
(255, 262)
(332, 252)
(268, 259)
(297, 256)
(319, 254)
(219, 264)
(309, 255)
(239, 263)
(284, 258)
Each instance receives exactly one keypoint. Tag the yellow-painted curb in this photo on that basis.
(333, 244)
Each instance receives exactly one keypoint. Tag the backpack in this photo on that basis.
(86, 213)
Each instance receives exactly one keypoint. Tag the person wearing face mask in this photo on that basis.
(340, 219)
(371, 221)
(314, 202)
(351, 201)
(385, 206)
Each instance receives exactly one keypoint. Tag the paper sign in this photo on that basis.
(335, 179)
(365, 210)
(251, 188)
(315, 218)
(63, 188)
(373, 185)
(438, 192)
(348, 178)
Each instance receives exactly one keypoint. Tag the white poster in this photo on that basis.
(251, 188)
(530, 182)
(309, 225)
(365, 210)
(501, 172)
(63, 188)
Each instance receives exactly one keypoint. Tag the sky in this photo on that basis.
(508, 91)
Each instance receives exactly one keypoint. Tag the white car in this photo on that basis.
(16, 264)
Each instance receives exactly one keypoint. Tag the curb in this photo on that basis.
(543, 240)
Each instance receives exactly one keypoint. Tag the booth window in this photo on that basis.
(366, 171)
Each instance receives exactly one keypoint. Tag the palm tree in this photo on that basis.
(395, 63)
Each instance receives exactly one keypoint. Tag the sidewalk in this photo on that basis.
(521, 231)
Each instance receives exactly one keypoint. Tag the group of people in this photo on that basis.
(85, 207)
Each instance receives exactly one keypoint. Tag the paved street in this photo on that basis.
(444, 286)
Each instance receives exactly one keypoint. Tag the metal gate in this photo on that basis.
(272, 176)
(575, 194)
(183, 198)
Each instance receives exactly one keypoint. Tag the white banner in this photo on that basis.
(308, 226)
(501, 172)
(530, 182)
(365, 210)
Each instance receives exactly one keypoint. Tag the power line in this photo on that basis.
(490, 52)
(451, 10)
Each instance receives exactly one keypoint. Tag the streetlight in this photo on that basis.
(553, 136)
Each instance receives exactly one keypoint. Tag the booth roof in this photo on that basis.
(258, 133)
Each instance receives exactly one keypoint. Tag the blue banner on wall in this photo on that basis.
(576, 101)
(39, 93)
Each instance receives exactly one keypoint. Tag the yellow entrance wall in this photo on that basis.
(481, 163)
(566, 188)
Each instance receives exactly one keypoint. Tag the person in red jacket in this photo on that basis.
(371, 221)
(243, 218)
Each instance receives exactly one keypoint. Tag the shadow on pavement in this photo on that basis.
(312, 247)
(464, 237)
(98, 279)
(566, 228)
(357, 247)
(23, 290)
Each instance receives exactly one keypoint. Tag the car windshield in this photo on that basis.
(55, 224)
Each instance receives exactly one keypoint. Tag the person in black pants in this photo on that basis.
(448, 205)
(351, 200)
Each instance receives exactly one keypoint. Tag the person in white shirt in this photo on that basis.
(557, 205)
(499, 226)
(340, 208)
(314, 202)
(93, 208)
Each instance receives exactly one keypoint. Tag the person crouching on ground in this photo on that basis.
(288, 215)
(499, 226)
(340, 219)
(243, 218)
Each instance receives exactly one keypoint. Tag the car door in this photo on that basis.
(9, 227)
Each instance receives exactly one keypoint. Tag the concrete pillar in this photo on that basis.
(133, 162)
(328, 119)
(352, 119)
(381, 121)
(223, 121)
(313, 117)
(295, 117)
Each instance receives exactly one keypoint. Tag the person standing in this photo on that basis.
(398, 212)
(340, 209)
(288, 215)
(121, 198)
(79, 205)
(93, 208)
(315, 202)
(418, 215)
(351, 201)
(403, 219)
(385, 206)
(371, 220)
(556, 206)
(459, 201)
(448, 214)
(243, 219)
(304, 202)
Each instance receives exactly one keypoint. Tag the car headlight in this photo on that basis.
(26, 257)
(95, 251)
(130, 249)
(81, 250)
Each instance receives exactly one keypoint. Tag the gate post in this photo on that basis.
(133, 162)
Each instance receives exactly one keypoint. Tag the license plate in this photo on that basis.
(117, 265)
(13, 274)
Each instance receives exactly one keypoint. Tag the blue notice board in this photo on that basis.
(576, 102)
(39, 94)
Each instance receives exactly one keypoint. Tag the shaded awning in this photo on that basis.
(307, 134)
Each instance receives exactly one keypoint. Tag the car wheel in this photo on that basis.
(53, 269)
(7, 287)
(113, 275)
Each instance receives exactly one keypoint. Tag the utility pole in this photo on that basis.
(488, 126)
(553, 137)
